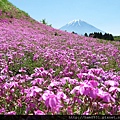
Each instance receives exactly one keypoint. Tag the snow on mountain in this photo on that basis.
(80, 27)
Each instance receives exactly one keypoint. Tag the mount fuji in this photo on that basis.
(80, 27)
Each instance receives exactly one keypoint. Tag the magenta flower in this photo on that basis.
(54, 83)
(39, 112)
(11, 113)
(10, 85)
(112, 83)
(106, 97)
(80, 76)
(33, 91)
(91, 92)
(36, 56)
(22, 70)
(69, 110)
(73, 81)
(5, 70)
(93, 83)
(51, 100)
(96, 72)
(2, 110)
(64, 80)
(51, 71)
(37, 81)
(2, 78)
(46, 94)
(114, 89)
(77, 90)
(61, 95)
(30, 106)
(87, 112)
(84, 63)
(19, 102)
(76, 99)
(85, 89)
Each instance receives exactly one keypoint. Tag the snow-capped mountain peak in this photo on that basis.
(75, 21)
(80, 27)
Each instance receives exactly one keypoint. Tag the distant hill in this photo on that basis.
(80, 27)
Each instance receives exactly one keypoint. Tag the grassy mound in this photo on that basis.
(10, 11)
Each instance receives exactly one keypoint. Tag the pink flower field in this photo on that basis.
(44, 71)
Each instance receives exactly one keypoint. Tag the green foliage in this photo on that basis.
(7, 7)
(117, 38)
(26, 62)
(43, 21)
(106, 36)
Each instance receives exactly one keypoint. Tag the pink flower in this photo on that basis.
(91, 92)
(73, 81)
(85, 89)
(22, 70)
(51, 100)
(46, 94)
(5, 70)
(36, 56)
(30, 106)
(86, 112)
(54, 83)
(61, 95)
(2, 110)
(76, 99)
(33, 91)
(11, 113)
(93, 83)
(64, 80)
(106, 97)
(69, 110)
(37, 81)
(10, 85)
(112, 83)
(80, 76)
(39, 112)
(51, 71)
(2, 78)
(114, 89)
(78, 90)
(19, 102)
(96, 72)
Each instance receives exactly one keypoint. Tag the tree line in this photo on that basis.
(99, 35)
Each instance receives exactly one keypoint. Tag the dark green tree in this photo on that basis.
(106, 36)
(111, 37)
(86, 34)
(100, 35)
(43, 21)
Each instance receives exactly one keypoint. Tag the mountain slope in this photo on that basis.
(80, 27)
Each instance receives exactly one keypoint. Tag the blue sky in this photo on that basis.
(103, 14)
